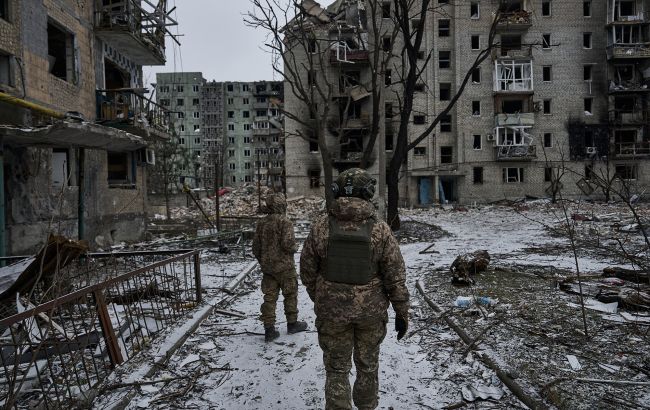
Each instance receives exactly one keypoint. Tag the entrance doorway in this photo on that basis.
(448, 190)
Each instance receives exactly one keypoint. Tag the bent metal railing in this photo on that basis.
(55, 354)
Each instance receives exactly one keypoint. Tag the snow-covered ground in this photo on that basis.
(225, 364)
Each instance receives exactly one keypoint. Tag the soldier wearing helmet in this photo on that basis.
(352, 268)
(273, 246)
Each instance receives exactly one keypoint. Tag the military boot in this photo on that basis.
(270, 334)
(297, 326)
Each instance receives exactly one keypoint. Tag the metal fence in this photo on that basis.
(55, 354)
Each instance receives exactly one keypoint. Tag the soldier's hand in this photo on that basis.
(401, 326)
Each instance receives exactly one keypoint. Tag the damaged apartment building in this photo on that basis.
(563, 97)
(232, 130)
(75, 120)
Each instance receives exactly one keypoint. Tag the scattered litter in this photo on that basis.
(630, 317)
(468, 264)
(207, 346)
(613, 281)
(610, 367)
(483, 392)
(598, 306)
(189, 359)
(573, 362)
(466, 301)
(463, 301)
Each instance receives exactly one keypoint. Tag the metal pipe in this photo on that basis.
(10, 99)
(3, 232)
(81, 209)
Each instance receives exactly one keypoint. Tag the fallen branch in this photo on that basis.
(601, 381)
(488, 361)
(230, 313)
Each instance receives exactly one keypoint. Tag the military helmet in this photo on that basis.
(354, 182)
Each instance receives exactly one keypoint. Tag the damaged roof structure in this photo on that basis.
(75, 120)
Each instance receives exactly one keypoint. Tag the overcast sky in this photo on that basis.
(215, 41)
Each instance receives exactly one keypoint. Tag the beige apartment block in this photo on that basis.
(562, 98)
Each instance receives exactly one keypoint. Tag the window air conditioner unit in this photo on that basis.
(591, 150)
(150, 156)
(490, 137)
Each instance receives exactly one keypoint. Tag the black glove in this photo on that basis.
(401, 326)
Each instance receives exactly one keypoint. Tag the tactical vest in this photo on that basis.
(349, 254)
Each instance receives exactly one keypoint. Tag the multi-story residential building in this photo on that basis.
(563, 98)
(75, 119)
(181, 94)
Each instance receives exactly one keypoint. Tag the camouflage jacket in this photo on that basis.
(274, 243)
(355, 302)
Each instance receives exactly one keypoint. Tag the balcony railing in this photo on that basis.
(637, 50)
(133, 112)
(642, 17)
(342, 54)
(629, 86)
(138, 33)
(523, 118)
(639, 116)
(632, 149)
(516, 152)
(524, 52)
(518, 20)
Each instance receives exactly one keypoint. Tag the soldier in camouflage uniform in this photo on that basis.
(274, 246)
(352, 268)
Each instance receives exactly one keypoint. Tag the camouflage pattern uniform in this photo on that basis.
(351, 319)
(274, 246)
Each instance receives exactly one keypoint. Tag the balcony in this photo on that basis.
(522, 53)
(342, 54)
(127, 109)
(516, 152)
(135, 29)
(632, 149)
(629, 86)
(512, 76)
(523, 118)
(261, 105)
(361, 122)
(642, 17)
(514, 21)
(628, 51)
(621, 117)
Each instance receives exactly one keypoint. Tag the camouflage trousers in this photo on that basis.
(340, 341)
(271, 286)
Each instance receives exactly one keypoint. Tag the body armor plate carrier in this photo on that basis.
(349, 254)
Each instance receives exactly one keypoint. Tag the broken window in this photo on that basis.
(474, 10)
(444, 59)
(260, 113)
(547, 107)
(511, 6)
(587, 72)
(387, 78)
(415, 24)
(586, 40)
(546, 73)
(477, 142)
(446, 155)
(230, 87)
(388, 110)
(419, 87)
(476, 108)
(245, 87)
(419, 151)
(588, 102)
(195, 101)
(419, 119)
(513, 175)
(626, 172)
(546, 8)
(389, 142)
(444, 27)
(586, 8)
(548, 140)
(589, 138)
(624, 8)
(548, 174)
(420, 55)
(60, 168)
(352, 143)
(386, 43)
(445, 123)
(476, 75)
(589, 172)
(311, 45)
(385, 10)
(546, 41)
(231, 114)
(118, 169)
(61, 52)
(516, 135)
(164, 102)
(476, 42)
(4, 9)
(624, 104)
(5, 70)
(512, 75)
(510, 42)
(180, 102)
(445, 91)
(311, 78)
(626, 34)
(349, 79)
(477, 173)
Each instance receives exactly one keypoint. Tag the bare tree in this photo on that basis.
(171, 159)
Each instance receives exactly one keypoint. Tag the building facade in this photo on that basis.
(75, 119)
(562, 99)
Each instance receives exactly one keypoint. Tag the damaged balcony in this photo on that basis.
(638, 116)
(518, 20)
(514, 143)
(513, 76)
(342, 53)
(627, 12)
(512, 52)
(136, 28)
(628, 51)
(630, 143)
(127, 109)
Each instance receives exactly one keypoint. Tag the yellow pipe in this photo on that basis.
(10, 99)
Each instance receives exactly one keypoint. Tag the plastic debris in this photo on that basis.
(481, 391)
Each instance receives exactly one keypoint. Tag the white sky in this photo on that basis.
(216, 42)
